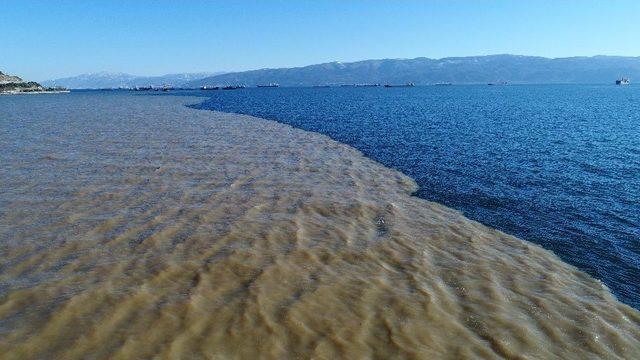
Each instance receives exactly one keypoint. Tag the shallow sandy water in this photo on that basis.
(135, 227)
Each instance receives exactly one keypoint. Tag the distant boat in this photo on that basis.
(270, 85)
(359, 85)
(443, 84)
(623, 81)
(142, 88)
(167, 87)
(205, 87)
(233, 87)
(498, 83)
(402, 85)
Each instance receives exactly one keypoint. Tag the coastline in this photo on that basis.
(255, 237)
(34, 92)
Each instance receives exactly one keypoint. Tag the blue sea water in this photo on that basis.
(558, 165)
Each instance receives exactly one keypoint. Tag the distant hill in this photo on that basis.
(459, 70)
(102, 80)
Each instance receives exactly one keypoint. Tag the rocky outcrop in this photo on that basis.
(29, 86)
(6, 79)
(15, 84)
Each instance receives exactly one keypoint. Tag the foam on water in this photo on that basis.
(135, 227)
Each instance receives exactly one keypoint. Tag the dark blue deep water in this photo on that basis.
(557, 165)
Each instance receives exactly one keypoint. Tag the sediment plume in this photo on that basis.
(134, 227)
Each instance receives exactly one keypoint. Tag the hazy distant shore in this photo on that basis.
(34, 92)
(177, 232)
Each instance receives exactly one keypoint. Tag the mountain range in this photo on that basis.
(102, 80)
(515, 69)
(457, 70)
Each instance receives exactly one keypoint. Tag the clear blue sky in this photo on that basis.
(48, 39)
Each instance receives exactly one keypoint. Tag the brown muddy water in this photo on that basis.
(133, 227)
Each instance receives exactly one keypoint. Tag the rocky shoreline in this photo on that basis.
(15, 85)
(34, 92)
